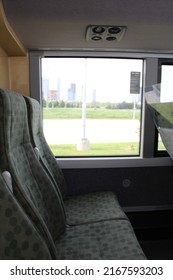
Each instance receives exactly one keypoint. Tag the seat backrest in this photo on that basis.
(32, 187)
(38, 139)
(19, 238)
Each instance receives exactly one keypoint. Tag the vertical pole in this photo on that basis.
(134, 106)
(84, 104)
(84, 143)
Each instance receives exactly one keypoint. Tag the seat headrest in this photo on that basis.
(13, 112)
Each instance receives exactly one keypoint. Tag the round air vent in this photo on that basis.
(98, 29)
(105, 32)
(114, 30)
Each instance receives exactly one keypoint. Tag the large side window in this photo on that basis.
(92, 106)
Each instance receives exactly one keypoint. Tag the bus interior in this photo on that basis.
(101, 73)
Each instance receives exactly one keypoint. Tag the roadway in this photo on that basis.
(96, 131)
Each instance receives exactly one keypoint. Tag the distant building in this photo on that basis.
(71, 94)
(45, 88)
(52, 95)
(59, 97)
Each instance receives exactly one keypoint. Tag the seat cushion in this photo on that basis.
(107, 240)
(93, 207)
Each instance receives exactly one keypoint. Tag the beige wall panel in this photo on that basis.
(19, 74)
(4, 70)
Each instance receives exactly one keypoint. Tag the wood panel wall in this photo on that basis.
(4, 69)
(19, 74)
(14, 63)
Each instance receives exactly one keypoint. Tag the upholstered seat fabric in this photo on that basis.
(93, 207)
(32, 187)
(38, 140)
(107, 240)
(19, 238)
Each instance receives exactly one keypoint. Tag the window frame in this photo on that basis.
(141, 94)
(161, 62)
(148, 130)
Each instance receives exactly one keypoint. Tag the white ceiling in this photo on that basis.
(61, 24)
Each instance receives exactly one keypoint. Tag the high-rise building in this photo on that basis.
(45, 88)
(71, 95)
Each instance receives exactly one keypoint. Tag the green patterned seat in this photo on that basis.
(19, 238)
(32, 187)
(107, 240)
(91, 207)
(42, 202)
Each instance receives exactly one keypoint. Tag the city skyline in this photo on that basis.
(103, 80)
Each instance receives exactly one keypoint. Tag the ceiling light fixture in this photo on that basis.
(105, 32)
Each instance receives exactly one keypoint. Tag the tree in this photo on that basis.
(62, 104)
(44, 104)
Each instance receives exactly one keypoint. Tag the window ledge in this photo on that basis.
(78, 163)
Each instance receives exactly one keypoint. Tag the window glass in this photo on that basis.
(166, 93)
(92, 106)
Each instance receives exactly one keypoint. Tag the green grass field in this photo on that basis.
(99, 113)
(161, 146)
(101, 149)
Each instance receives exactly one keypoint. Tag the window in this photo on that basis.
(92, 106)
(166, 89)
